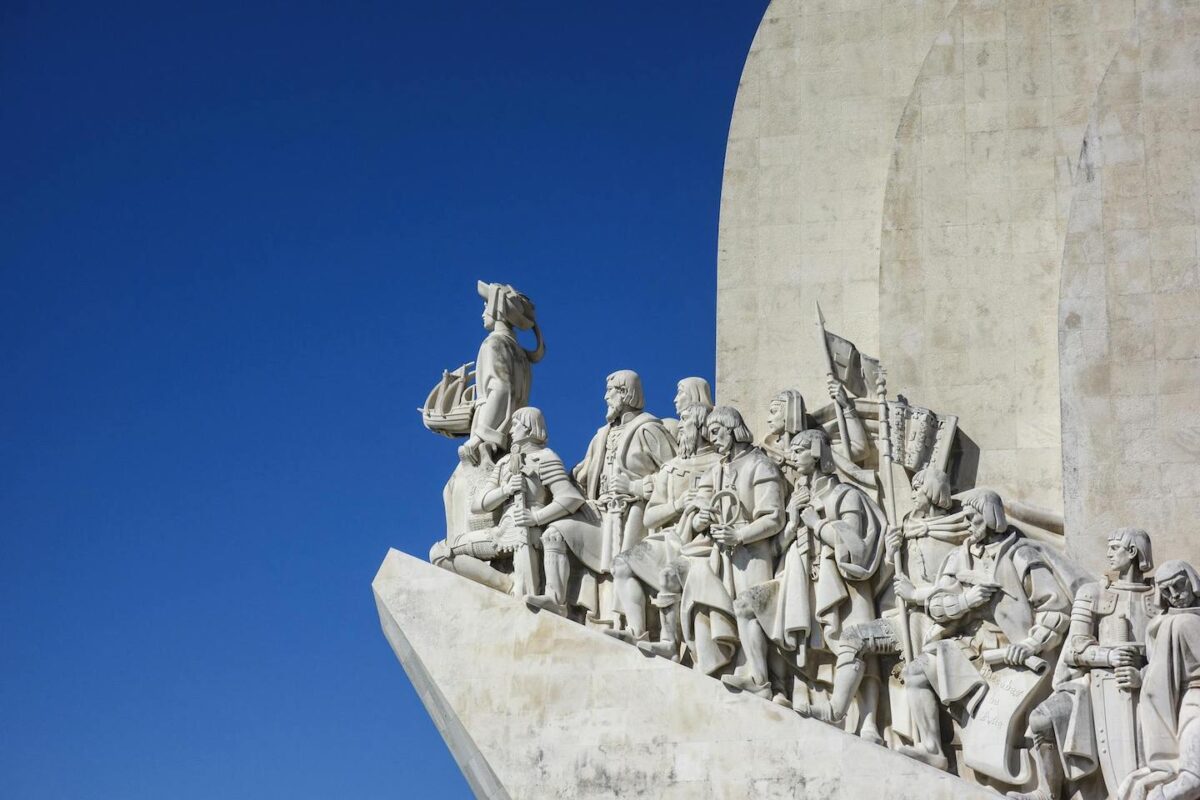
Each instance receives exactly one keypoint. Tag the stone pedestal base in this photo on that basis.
(534, 706)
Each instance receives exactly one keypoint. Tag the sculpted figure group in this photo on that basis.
(793, 569)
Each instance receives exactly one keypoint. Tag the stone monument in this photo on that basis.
(945, 591)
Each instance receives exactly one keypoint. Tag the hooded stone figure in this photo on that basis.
(503, 377)
(1169, 713)
(785, 418)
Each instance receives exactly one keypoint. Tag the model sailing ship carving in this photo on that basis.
(448, 408)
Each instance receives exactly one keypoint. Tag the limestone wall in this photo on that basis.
(998, 197)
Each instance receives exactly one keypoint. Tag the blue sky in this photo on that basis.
(239, 242)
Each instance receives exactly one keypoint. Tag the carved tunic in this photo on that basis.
(502, 382)
(849, 555)
(1170, 705)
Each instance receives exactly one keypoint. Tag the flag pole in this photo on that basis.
(889, 484)
(829, 371)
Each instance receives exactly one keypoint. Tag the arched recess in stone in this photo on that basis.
(1129, 318)
(974, 222)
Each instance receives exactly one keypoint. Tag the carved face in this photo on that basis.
(775, 420)
(806, 457)
(977, 524)
(920, 500)
(615, 399)
(518, 431)
(489, 322)
(681, 400)
(721, 438)
(1177, 591)
(1120, 555)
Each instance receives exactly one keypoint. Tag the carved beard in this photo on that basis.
(614, 412)
(689, 440)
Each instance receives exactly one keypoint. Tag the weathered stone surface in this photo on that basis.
(997, 197)
(535, 706)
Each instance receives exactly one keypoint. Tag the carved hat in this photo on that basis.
(696, 391)
(793, 410)
(506, 303)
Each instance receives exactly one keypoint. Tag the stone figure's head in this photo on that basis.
(785, 414)
(726, 429)
(692, 390)
(691, 429)
(930, 490)
(810, 452)
(503, 303)
(1178, 584)
(985, 514)
(623, 392)
(1130, 546)
(528, 426)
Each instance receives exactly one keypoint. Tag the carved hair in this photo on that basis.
(533, 419)
(935, 485)
(1139, 540)
(629, 380)
(696, 391)
(793, 410)
(1173, 568)
(989, 504)
(729, 417)
(806, 439)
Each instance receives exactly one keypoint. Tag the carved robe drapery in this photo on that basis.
(503, 379)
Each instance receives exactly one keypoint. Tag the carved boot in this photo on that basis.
(931, 757)
(557, 568)
(1049, 774)
(668, 614)
(746, 683)
(546, 603)
(628, 636)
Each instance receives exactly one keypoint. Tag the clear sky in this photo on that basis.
(239, 243)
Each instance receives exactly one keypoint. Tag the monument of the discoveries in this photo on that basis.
(959, 566)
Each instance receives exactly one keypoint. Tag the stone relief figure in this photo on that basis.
(531, 487)
(689, 391)
(1089, 722)
(654, 564)
(1001, 614)
(1170, 693)
(787, 416)
(740, 509)
(842, 544)
(617, 477)
(925, 537)
(503, 377)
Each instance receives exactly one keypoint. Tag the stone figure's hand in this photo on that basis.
(702, 520)
(810, 517)
(1015, 655)
(514, 484)
(620, 483)
(1123, 657)
(979, 595)
(837, 392)
(892, 540)
(801, 497)
(689, 498)
(524, 518)
(1129, 677)
(469, 450)
(724, 535)
(905, 590)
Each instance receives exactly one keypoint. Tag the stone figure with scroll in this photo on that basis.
(531, 487)
(1001, 614)
(842, 544)
(1169, 711)
(617, 478)
(654, 564)
(739, 509)
(1089, 722)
